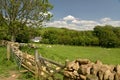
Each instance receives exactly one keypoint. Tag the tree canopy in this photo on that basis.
(104, 36)
(24, 12)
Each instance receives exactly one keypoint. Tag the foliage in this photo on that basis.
(23, 34)
(3, 28)
(108, 36)
(68, 37)
(26, 34)
(105, 36)
(26, 12)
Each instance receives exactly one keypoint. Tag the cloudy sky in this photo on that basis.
(84, 14)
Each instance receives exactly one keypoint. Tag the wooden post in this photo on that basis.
(66, 62)
(8, 52)
(36, 55)
(37, 69)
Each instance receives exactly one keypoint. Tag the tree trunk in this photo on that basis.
(13, 38)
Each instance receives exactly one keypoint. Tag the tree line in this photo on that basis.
(104, 36)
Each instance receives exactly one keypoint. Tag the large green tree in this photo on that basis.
(26, 12)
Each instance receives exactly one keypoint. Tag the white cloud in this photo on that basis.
(69, 18)
(109, 21)
(57, 24)
(105, 19)
(85, 22)
(74, 23)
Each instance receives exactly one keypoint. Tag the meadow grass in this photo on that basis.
(60, 53)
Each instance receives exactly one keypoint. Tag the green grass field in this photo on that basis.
(60, 53)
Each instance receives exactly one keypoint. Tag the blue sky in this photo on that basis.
(85, 14)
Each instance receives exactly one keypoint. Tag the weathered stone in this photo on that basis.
(91, 77)
(79, 71)
(68, 74)
(95, 68)
(117, 76)
(98, 62)
(83, 61)
(75, 66)
(100, 75)
(112, 67)
(104, 68)
(84, 69)
(107, 74)
(57, 68)
(75, 73)
(118, 69)
(82, 77)
(70, 65)
(111, 76)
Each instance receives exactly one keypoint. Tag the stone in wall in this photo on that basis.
(84, 69)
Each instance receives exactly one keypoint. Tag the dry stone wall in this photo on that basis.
(84, 69)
